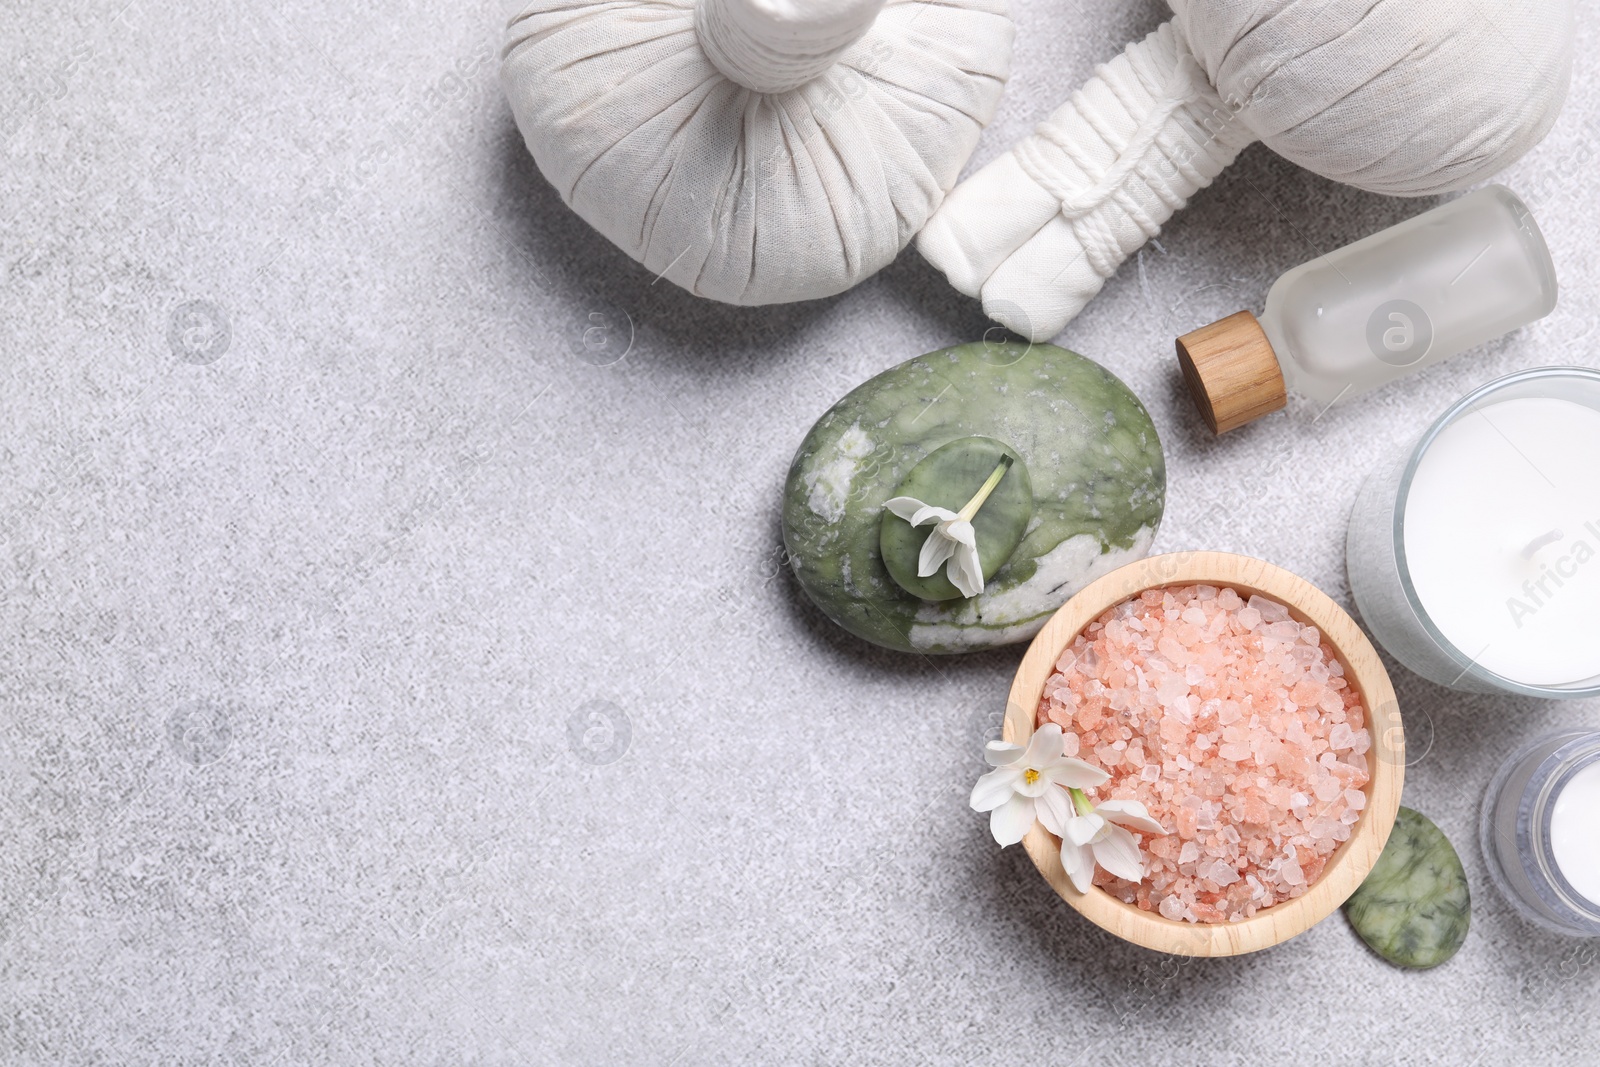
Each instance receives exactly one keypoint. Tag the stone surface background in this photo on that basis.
(395, 673)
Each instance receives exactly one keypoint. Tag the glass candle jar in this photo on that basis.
(1474, 556)
(1386, 306)
(1540, 830)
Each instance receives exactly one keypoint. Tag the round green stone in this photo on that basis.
(948, 478)
(1092, 455)
(1414, 908)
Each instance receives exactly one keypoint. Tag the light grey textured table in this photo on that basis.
(305, 634)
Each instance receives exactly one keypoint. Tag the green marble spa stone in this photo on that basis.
(1414, 908)
(1086, 445)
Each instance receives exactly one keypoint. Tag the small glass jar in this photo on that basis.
(1521, 838)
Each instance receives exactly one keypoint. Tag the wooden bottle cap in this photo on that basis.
(1232, 372)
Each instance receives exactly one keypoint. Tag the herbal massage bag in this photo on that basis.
(1404, 97)
(756, 151)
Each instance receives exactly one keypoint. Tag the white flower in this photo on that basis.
(1042, 782)
(953, 539)
(1099, 837)
(1029, 783)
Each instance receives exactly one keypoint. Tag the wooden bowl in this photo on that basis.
(1350, 862)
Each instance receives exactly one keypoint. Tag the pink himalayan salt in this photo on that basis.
(1255, 762)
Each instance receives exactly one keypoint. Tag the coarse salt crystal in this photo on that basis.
(1270, 610)
(1284, 631)
(1172, 688)
(1223, 874)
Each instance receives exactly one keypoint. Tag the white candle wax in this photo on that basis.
(1575, 832)
(1502, 538)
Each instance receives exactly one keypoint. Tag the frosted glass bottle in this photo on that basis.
(1386, 306)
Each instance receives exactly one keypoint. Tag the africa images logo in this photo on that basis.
(1399, 333)
(1537, 592)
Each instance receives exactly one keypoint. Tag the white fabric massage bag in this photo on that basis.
(756, 151)
(1404, 97)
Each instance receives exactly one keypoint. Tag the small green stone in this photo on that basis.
(948, 478)
(1414, 908)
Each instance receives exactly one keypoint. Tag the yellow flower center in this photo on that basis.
(1030, 776)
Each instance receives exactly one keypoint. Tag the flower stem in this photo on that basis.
(972, 506)
(1081, 802)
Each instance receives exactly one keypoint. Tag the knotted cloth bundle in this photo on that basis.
(1404, 97)
(756, 151)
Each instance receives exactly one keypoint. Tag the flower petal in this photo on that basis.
(1078, 862)
(1045, 747)
(1083, 829)
(1076, 774)
(905, 506)
(1011, 821)
(928, 513)
(935, 550)
(960, 530)
(965, 572)
(1002, 753)
(1118, 853)
(1054, 808)
(1130, 813)
(995, 788)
